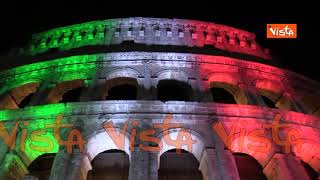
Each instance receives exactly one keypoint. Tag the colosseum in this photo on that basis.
(155, 99)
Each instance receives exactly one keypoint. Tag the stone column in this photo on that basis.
(145, 87)
(97, 91)
(89, 89)
(85, 167)
(285, 167)
(207, 165)
(287, 102)
(66, 166)
(218, 164)
(204, 92)
(143, 165)
(250, 91)
(251, 95)
(291, 96)
(41, 94)
(143, 93)
(227, 165)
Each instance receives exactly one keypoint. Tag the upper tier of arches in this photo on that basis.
(148, 31)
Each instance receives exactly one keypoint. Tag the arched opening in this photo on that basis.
(183, 166)
(310, 171)
(220, 95)
(40, 168)
(310, 103)
(18, 97)
(68, 91)
(274, 95)
(26, 101)
(173, 90)
(268, 102)
(72, 95)
(122, 92)
(248, 167)
(120, 88)
(111, 165)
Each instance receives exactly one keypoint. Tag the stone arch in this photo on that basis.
(13, 84)
(309, 153)
(110, 164)
(270, 89)
(274, 91)
(248, 137)
(179, 166)
(229, 83)
(13, 99)
(178, 75)
(120, 77)
(261, 157)
(101, 141)
(224, 78)
(197, 148)
(171, 78)
(117, 82)
(98, 143)
(123, 72)
(55, 94)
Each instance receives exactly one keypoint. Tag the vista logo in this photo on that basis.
(281, 30)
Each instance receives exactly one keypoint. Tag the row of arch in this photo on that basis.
(107, 161)
(126, 88)
(114, 165)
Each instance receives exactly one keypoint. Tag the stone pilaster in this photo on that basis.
(291, 96)
(66, 166)
(285, 167)
(207, 165)
(41, 95)
(251, 95)
(143, 165)
(89, 89)
(227, 165)
(217, 164)
(249, 90)
(143, 93)
(85, 167)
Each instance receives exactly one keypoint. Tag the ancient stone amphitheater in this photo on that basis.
(155, 99)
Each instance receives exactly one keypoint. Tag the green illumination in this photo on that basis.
(47, 73)
(35, 111)
(37, 117)
(79, 35)
(43, 144)
(62, 69)
(69, 68)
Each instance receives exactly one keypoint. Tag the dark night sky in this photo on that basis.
(300, 55)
